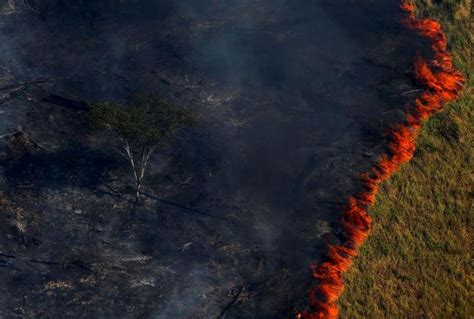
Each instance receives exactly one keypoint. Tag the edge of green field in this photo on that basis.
(417, 262)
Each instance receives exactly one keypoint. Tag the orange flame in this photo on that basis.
(442, 84)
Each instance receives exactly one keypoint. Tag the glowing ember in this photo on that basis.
(443, 84)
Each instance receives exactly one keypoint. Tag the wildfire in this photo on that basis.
(442, 84)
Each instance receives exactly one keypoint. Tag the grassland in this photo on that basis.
(418, 261)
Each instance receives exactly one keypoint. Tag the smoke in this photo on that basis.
(185, 301)
(283, 90)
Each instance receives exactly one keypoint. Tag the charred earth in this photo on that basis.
(293, 100)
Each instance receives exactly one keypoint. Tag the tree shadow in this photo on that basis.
(71, 165)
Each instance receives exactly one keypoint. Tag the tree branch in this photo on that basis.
(129, 151)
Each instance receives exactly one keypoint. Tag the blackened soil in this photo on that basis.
(293, 98)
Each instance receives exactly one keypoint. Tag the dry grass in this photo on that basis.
(418, 261)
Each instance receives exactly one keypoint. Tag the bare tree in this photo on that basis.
(142, 127)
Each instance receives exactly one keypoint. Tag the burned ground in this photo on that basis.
(293, 98)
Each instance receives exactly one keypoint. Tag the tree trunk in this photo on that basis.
(139, 166)
(137, 191)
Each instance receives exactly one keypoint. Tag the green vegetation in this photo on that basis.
(141, 128)
(418, 261)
